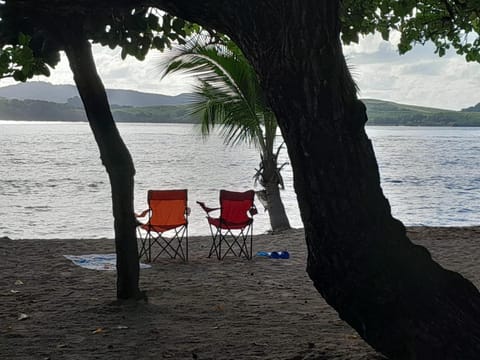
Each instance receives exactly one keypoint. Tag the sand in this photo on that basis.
(203, 309)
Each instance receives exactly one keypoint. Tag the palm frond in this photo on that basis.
(229, 88)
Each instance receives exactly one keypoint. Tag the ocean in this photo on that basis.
(52, 183)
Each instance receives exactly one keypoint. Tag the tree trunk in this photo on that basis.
(400, 301)
(115, 157)
(276, 211)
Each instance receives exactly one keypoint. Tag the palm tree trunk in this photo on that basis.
(115, 157)
(276, 210)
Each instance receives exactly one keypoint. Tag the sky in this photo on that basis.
(419, 77)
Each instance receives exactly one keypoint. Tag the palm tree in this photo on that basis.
(230, 96)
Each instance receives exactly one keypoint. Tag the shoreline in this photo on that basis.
(409, 228)
(203, 309)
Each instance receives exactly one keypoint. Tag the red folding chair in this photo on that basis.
(167, 215)
(233, 229)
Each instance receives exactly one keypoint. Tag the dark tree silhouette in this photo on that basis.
(397, 298)
(33, 33)
(114, 154)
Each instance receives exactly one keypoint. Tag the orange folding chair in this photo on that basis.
(167, 213)
(233, 229)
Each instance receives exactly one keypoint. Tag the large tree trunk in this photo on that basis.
(360, 259)
(116, 159)
(400, 301)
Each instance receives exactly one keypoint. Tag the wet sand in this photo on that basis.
(203, 309)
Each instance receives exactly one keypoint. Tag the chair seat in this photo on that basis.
(160, 228)
(222, 224)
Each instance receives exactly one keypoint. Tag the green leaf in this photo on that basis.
(166, 23)
(19, 76)
(178, 25)
(158, 43)
(4, 59)
(23, 39)
(385, 34)
(153, 22)
(403, 48)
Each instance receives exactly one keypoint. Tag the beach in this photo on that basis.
(203, 309)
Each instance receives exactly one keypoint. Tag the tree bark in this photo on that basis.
(400, 301)
(115, 157)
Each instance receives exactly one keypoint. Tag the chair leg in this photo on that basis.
(230, 241)
(216, 246)
(144, 248)
(173, 246)
(250, 230)
(149, 248)
(241, 240)
(186, 244)
(235, 241)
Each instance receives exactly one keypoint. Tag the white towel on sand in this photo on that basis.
(98, 261)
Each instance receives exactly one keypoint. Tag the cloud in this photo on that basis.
(368, 45)
(122, 74)
(138, 75)
(419, 77)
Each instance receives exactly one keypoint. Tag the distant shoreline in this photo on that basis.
(9, 121)
(414, 229)
(42, 101)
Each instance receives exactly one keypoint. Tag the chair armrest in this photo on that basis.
(253, 210)
(142, 214)
(188, 211)
(206, 208)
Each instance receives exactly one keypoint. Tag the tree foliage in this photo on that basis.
(19, 61)
(27, 49)
(30, 44)
(449, 24)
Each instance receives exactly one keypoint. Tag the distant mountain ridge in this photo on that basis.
(475, 108)
(382, 112)
(27, 102)
(61, 94)
(39, 110)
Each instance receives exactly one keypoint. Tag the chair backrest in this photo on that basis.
(235, 206)
(168, 207)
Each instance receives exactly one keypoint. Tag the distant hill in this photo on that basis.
(41, 101)
(40, 90)
(38, 110)
(475, 108)
(389, 113)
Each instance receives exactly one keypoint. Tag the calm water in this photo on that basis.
(52, 183)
